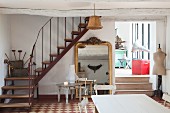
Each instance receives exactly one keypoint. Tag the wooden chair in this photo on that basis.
(105, 87)
(166, 98)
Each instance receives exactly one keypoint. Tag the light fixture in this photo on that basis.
(94, 22)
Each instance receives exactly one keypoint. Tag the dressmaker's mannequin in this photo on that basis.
(159, 68)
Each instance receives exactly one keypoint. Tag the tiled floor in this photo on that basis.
(52, 106)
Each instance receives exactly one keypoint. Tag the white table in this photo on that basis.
(68, 87)
(132, 103)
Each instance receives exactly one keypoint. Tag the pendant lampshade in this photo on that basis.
(94, 22)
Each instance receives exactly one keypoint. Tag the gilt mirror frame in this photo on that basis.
(94, 41)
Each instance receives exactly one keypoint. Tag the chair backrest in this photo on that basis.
(105, 87)
(166, 98)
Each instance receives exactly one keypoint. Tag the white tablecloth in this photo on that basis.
(134, 103)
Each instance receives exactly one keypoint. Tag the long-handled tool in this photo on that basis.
(14, 54)
(19, 51)
(7, 56)
(24, 56)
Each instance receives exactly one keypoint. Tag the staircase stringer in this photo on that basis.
(44, 72)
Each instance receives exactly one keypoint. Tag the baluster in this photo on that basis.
(29, 81)
(42, 45)
(58, 35)
(34, 61)
(57, 31)
(65, 31)
(80, 25)
(72, 23)
(50, 38)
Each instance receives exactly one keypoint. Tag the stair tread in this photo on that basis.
(61, 47)
(46, 62)
(14, 105)
(138, 76)
(39, 70)
(87, 19)
(140, 83)
(75, 32)
(54, 54)
(20, 78)
(16, 96)
(68, 40)
(16, 87)
(82, 25)
(135, 90)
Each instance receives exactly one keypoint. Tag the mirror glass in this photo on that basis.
(93, 63)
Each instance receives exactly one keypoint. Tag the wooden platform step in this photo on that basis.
(16, 87)
(147, 92)
(18, 96)
(86, 19)
(53, 55)
(46, 62)
(32, 77)
(68, 40)
(75, 32)
(15, 105)
(134, 86)
(82, 25)
(61, 47)
(132, 79)
(39, 70)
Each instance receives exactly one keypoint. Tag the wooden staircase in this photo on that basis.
(36, 74)
(134, 85)
(27, 96)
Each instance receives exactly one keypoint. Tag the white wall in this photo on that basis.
(4, 46)
(166, 79)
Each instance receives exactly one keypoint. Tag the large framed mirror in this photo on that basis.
(93, 60)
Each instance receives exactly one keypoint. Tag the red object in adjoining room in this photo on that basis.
(140, 67)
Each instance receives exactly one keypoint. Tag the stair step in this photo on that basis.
(54, 55)
(134, 86)
(82, 25)
(75, 32)
(39, 70)
(46, 62)
(20, 78)
(147, 92)
(16, 96)
(68, 40)
(131, 79)
(16, 87)
(15, 105)
(61, 47)
(86, 19)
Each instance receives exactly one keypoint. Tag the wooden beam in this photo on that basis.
(83, 13)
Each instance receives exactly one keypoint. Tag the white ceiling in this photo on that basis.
(80, 4)
(75, 8)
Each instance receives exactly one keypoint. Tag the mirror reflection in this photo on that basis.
(93, 63)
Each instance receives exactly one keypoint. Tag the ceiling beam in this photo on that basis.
(84, 13)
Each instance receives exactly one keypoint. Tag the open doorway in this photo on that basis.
(135, 43)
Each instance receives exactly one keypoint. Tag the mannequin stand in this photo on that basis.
(159, 92)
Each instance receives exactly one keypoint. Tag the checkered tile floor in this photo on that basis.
(72, 107)
(52, 106)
